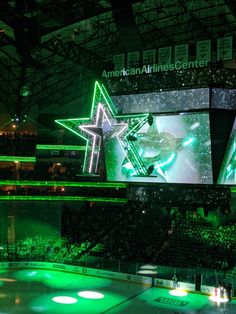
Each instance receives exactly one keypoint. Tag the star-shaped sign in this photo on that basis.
(103, 120)
(105, 125)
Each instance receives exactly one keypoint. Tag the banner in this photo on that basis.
(225, 48)
(181, 53)
(149, 56)
(164, 55)
(133, 59)
(119, 61)
(203, 50)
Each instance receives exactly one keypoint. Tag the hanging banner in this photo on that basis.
(149, 56)
(164, 55)
(203, 50)
(119, 61)
(133, 59)
(181, 53)
(225, 48)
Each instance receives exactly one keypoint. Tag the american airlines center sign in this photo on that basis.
(148, 69)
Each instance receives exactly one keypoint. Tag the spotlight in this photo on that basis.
(24, 91)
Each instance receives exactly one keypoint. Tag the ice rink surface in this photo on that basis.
(30, 291)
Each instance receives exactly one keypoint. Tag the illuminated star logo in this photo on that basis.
(103, 120)
(105, 125)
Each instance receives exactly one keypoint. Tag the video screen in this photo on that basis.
(223, 98)
(228, 169)
(163, 101)
(172, 149)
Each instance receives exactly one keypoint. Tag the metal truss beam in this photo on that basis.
(79, 55)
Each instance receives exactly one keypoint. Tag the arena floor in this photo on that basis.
(30, 291)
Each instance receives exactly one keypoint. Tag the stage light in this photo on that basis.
(24, 91)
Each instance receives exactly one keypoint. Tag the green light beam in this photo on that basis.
(17, 158)
(64, 183)
(60, 147)
(61, 198)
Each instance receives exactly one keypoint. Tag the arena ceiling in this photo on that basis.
(58, 47)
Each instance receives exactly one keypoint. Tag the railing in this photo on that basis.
(209, 277)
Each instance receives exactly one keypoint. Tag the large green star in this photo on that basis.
(105, 121)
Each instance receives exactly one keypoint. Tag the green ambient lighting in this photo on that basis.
(64, 300)
(24, 91)
(91, 295)
(60, 147)
(17, 158)
(105, 117)
(62, 280)
(61, 198)
(87, 128)
(45, 303)
(64, 183)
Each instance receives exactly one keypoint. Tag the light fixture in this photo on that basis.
(25, 91)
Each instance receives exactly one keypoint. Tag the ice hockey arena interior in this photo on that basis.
(117, 156)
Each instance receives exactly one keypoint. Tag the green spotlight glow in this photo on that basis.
(60, 147)
(103, 110)
(24, 91)
(45, 304)
(17, 158)
(65, 300)
(91, 295)
(61, 198)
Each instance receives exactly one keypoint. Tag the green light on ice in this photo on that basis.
(61, 198)
(17, 159)
(63, 280)
(64, 183)
(60, 147)
(46, 303)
